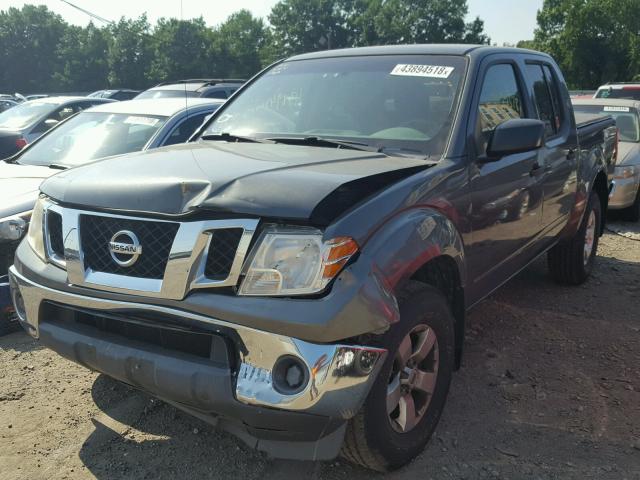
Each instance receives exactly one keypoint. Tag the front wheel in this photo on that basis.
(572, 262)
(405, 402)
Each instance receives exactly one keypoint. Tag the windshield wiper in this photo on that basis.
(324, 142)
(228, 137)
(58, 166)
(403, 152)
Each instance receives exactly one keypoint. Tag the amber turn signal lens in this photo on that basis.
(339, 251)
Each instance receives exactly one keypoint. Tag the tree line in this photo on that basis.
(593, 40)
(40, 52)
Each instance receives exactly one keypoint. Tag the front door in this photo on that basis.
(506, 201)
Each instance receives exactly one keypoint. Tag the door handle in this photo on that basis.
(536, 169)
(571, 154)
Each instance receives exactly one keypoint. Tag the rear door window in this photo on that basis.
(185, 129)
(543, 99)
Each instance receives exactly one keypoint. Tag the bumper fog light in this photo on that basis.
(290, 375)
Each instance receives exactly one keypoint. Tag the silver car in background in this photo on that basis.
(625, 195)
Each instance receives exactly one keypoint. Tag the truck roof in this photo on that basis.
(417, 49)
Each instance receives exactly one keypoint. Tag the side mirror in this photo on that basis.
(516, 136)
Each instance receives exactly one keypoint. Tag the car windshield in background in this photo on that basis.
(402, 102)
(626, 119)
(166, 94)
(24, 114)
(629, 93)
(92, 135)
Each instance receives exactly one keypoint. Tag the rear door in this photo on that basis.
(558, 156)
(506, 192)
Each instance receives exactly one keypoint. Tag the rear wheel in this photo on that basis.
(572, 262)
(405, 403)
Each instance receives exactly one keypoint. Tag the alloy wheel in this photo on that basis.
(413, 378)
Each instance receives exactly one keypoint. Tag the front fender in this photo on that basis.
(411, 239)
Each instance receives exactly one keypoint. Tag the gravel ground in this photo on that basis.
(549, 389)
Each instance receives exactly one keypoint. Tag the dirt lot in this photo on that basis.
(550, 388)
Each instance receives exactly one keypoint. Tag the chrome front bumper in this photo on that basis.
(338, 378)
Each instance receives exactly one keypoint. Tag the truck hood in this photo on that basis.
(275, 180)
(628, 153)
(19, 186)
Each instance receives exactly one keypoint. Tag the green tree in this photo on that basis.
(180, 49)
(427, 21)
(239, 45)
(29, 38)
(83, 59)
(130, 53)
(594, 41)
(307, 25)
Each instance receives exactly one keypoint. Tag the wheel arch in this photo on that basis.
(424, 245)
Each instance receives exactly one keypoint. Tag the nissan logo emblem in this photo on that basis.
(125, 248)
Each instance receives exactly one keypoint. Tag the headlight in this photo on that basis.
(625, 171)
(35, 236)
(295, 261)
(14, 227)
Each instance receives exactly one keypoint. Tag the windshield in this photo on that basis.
(92, 135)
(395, 102)
(630, 93)
(166, 94)
(626, 119)
(24, 114)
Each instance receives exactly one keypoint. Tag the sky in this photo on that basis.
(506, 21)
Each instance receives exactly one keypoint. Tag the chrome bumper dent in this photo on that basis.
(339, 380)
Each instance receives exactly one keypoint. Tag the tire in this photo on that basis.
(632, 213)
(7, 326)
(568, 262)
(371, 439)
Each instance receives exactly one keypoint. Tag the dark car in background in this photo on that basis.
(198, 87)
(6, 104)
(120, 94)
(25, 122)
(103, 131)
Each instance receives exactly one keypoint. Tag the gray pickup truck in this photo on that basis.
(300, 272)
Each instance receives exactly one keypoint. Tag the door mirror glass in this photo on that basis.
(516, 136)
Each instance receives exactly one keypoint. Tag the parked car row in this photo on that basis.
(298, 273)
(106, 130)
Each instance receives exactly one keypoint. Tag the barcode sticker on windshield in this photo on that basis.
(616, 109)
(141, 121)
(433, 71)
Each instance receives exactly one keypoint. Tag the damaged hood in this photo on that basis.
(19, 186)
(275, 180)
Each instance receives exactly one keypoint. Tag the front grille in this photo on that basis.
(222, 251)
(156, 239)
(54, 227)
